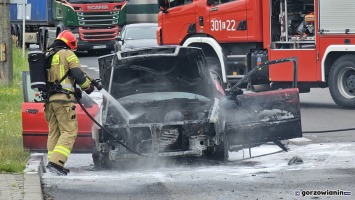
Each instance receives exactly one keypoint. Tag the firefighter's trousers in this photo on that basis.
(63, 130)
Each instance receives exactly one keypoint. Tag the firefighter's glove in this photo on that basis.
(90, 89)
(97, 83)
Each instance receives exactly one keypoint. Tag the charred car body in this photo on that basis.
(173, 106)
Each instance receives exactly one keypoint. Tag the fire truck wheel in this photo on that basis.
(342, 81)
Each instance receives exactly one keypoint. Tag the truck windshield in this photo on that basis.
(95, 1)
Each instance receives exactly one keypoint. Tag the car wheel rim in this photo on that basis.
(346, 82)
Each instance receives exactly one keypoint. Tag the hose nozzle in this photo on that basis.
(96, 82)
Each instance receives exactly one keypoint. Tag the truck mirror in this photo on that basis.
(163, 6)
(210, 2)
(118, 38)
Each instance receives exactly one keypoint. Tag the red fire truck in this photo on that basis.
(236, 35)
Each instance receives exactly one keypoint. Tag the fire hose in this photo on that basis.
(328, 131)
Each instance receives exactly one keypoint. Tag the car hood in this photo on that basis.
(133, 44)
(156, 69)
(164, 83)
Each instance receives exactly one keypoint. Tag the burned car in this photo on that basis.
(164, 101)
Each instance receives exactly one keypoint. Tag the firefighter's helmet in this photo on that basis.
(68, 38)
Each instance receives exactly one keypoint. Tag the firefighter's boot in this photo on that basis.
(56, 169)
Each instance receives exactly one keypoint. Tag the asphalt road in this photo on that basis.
(328, 165)
(325, 167)
(319, 112)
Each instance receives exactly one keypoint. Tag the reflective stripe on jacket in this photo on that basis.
(63, 61)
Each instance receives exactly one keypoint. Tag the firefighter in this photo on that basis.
(59, 110)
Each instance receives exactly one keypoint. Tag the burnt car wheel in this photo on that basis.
(222, 151)
(219, 152)
(101, 161)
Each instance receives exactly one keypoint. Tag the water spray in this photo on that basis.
(122, 110)
(127, 116)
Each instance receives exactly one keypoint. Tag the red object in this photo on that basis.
(238, 28)
(94, 33)
(68, 38)
(35, 128)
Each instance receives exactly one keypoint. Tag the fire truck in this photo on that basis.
(237, 35)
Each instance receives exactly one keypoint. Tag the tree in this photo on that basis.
(6, 71)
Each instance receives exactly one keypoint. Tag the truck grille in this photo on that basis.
(98, 33)
(98, 18)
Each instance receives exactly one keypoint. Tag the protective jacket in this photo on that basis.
(60, 110)
(65, 61)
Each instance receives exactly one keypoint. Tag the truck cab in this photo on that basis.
(235, 27)
(237, 35)
(95, 23)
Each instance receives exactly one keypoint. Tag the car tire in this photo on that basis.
(219, 152)
(101, 161)
(341, 81)
(222, 151)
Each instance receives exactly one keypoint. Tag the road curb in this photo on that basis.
(32, 177)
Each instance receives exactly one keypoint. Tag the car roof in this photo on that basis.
(141, 24)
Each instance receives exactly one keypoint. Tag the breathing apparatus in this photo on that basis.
(36, 60)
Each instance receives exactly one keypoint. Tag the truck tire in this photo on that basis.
(46, 40)
(41, 39)
(19, 36)
(14, 35)
(341, 81)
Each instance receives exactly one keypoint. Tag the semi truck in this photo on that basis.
(236, 35)
(93, 22)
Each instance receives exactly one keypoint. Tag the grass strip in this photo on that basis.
(13, 157)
